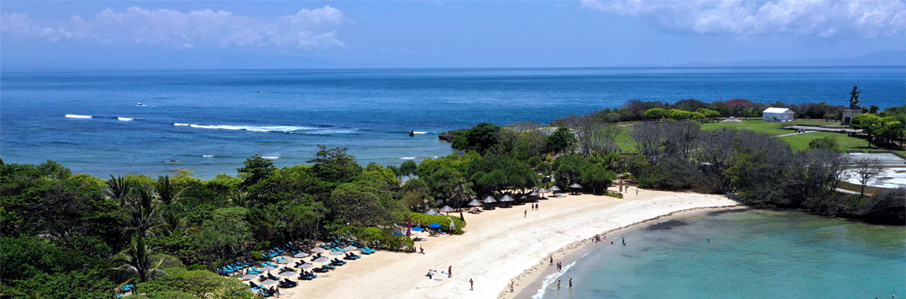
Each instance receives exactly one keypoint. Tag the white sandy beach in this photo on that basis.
(498, 247)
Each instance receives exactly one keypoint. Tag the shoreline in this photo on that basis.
(534, 277)
(498, 245)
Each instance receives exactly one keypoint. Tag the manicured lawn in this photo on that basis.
(771, 128)
(624, 141)
(800, 142)
(847, 143)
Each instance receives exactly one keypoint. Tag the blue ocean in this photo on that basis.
(210, 121)
(749, 254)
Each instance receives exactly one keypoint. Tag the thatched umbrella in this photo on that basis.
(474, 203)
(489, 199)
(506, 198)
(446, 209)
(431, 212)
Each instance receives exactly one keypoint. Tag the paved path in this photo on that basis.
(793, 134)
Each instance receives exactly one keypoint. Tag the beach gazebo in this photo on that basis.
(446, 209)
(575, 187)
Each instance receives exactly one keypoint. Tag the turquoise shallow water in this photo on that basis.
(751, 254)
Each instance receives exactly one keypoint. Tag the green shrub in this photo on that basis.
(613, 194)
(377, 238)
(419, 219)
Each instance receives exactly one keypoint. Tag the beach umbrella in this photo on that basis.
(431, 212)
(474, 203)
(350, 247)
(489, 199)
(307, 266)
(554, 189)
(398, 234)
(321, 259)
(268, 268)
(318, 249)
(543, 190)
(506, 198)
(301, 255)
(337, 253)
(434, 225)
(446, 209)
(284, 261)
(534, 193)
(575, 186)
(418, 229)
(249, 277)
(268, 282)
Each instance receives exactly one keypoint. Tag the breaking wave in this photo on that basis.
(316, 130)
(78, 116)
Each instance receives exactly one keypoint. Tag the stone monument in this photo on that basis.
(854, 107)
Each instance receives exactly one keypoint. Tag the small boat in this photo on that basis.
(140, 104)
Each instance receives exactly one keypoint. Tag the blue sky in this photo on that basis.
(40, 35)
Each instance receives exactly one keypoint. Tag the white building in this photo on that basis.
(778, 114)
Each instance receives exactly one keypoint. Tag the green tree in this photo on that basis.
(481, 138)
(408, 168)
(256, 169)
(137, 261)
(119, 189)
(679, 114)
(335, 165)
(596, 177)
(226, 233)
(828, 143)
(166, 191)
(560, 141)
(656, 113)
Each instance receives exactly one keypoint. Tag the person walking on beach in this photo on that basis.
(570, 282)
(558, 284)
(636, 191)
(471, 285)
(525, 215)
(552, 260)
(624, 241)
(450, 272)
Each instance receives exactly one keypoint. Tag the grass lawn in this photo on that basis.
(624, 141)
(800, 142)
(767, 127)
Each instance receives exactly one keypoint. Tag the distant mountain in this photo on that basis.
(879, 58)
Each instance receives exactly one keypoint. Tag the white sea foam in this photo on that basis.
(552, 278)
(124, 118)
(419, 132)
(78, 116)
(282, 129)
(407, 158)
(271, 157)
(207, 156)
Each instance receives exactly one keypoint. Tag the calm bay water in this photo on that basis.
(211, 121)
(751, 254)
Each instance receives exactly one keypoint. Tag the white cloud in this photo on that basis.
(822, 18)
(307, 29)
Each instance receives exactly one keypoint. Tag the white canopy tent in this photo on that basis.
(778, 114)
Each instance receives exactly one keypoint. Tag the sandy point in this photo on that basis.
(499, 247)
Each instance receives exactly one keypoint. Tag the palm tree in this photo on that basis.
(118, 188)
(166, 191)
(137, 261)
(143, 211)
(171, 223)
